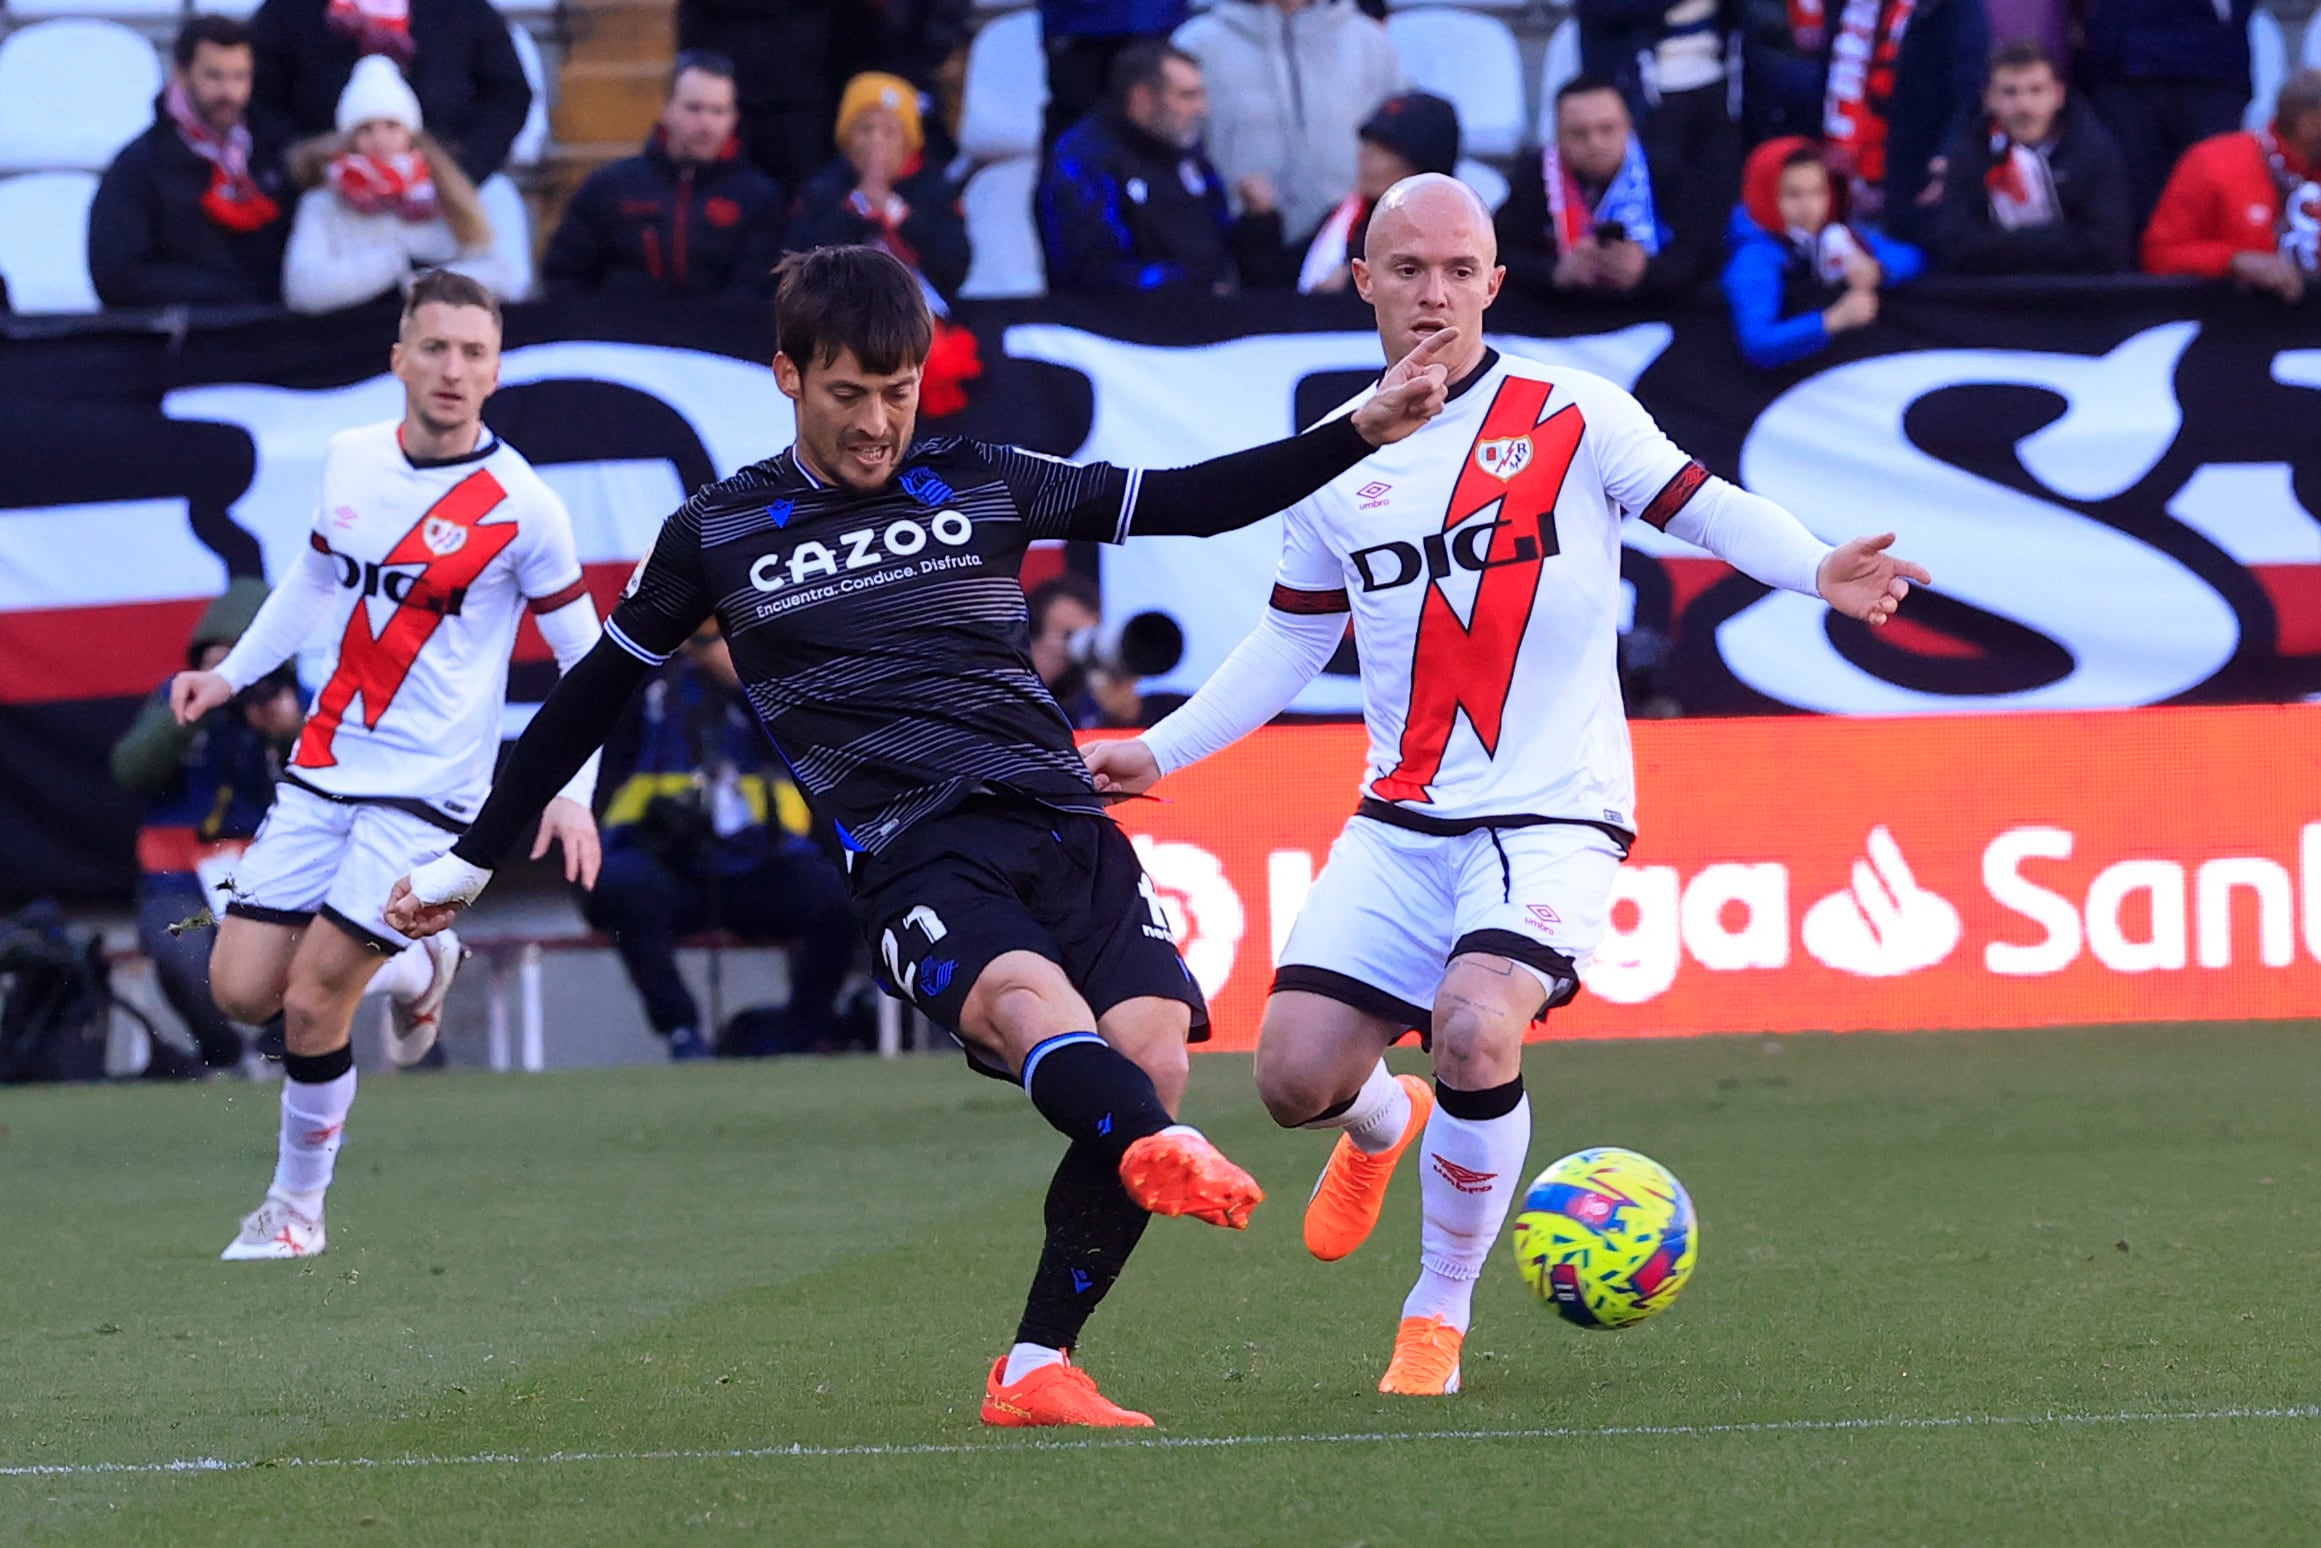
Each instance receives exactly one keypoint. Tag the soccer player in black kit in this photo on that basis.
(868, 589)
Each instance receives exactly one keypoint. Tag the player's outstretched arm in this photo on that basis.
(1763, 541)
(573, 724)
(1266, 671)
(567, 823)
(285, 621)
(1861, 580)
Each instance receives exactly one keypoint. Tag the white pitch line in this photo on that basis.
(1174, 1442)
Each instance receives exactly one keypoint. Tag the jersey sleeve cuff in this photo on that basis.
(619, 636)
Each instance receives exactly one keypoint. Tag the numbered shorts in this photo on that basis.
(960, 890)
(1393, 907)
(338, 859)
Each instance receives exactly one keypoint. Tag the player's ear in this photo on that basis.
(787, 377)
(1498, 278)
(1361, 271)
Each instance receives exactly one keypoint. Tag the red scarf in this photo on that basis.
(889, 218)
(377, 26)
(1808, 25)
(386, 185)
(233, 200)
(1861, 88)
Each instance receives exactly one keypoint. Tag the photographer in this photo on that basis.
(703, 831)
(1097, 673)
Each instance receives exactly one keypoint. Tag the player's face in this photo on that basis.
(449, 362)
(1591, 134)
(1431, 264)
(1804, 198)
(2025, 101)
(853, 424)
(218, 81)
(699, 116)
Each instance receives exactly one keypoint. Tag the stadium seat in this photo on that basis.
(523, 12)
(1471, 60)
(1006, 91)
(1486, 180)
(531, 141)
(240, 10)
(511, 233)
(72, 93)
(1000, 231)
(2309, 52)
(2268, 66)
(44, 252)
(1561, 63)
(145, 11)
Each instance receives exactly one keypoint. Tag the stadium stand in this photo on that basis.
(1006, 244)
(511, 234)
(1472, 60)
(1006, 91)
(72, 93)
(531, 142)
(2268, 65)
(43, 251)
(1559, 64)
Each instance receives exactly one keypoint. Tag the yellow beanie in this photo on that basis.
(875, 89)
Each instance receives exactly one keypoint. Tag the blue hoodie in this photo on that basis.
(1763, 278)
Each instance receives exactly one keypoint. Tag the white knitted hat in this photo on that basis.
(377, 90)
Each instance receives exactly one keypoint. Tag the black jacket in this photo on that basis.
(2096, 234)
(935, 229)
(1120, 210)
(151, 245)
(464, 70)
(651, 225)
(1690, 235)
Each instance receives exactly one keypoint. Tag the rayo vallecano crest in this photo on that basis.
(444, 538)
(1504, 459)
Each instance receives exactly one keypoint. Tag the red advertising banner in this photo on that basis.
(1850, 875)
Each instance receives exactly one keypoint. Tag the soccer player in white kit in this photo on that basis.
(1480, 561)
(432, 538)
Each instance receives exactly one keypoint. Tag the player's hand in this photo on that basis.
(568, 823)
(1861, 580)
(1410, 394)
(194, 694)
(406, 915)
(1124, 767)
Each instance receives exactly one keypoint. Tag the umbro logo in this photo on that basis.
(1464, 1178)
(1544, 917)
(1373, 494)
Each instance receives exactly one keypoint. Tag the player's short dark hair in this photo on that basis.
(699, 61)
(217, 31)
(1141, 64)
(452, 289)
(1585, 82)
(850, 298)
(1067, 587)
(2025, 55)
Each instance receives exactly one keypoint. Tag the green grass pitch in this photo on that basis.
(2053, 1287)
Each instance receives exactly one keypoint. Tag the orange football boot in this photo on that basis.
(1054, 1394)
(1426, 1359)
(1183, 1174)
(1352, 1188)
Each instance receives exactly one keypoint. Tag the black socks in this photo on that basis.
(1094, 1095)
(1092, 1228)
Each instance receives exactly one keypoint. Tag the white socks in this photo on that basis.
(313, 1121)
(1470, 1172)
(405, 975)
(1376, 1117)
(1024, 1359)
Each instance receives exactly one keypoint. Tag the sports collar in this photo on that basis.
(1482, 369)
(485, 445)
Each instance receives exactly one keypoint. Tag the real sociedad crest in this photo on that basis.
(443, 537)
(1504, 459)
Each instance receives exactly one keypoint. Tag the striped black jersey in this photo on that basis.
(883, 639)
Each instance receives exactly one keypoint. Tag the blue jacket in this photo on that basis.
(1120, 210)
(1777, 300)
(1111, 18)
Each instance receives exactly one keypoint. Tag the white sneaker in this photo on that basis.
(412, 1025)
(275, 1230)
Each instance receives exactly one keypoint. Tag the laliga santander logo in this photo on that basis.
(1885, 925)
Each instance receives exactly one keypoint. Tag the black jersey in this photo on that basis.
(883, 639)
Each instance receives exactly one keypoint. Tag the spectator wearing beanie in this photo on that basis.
(189, 212)
(456, 55)
(383, 201)
(1601, 217)
(1290, 84)
(1409, 134)
(1799, 275)
(881, 191)
(2248, 205)
(688, 216)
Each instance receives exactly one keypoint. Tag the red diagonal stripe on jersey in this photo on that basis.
(374, 666)
(1470, 666)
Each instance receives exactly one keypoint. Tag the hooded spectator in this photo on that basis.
(1799, 275)
(190, 211)
(1600, 216)
(1409, 134)
(2248, 204)
(688, 216)
(456, 54)
(1290, 83)
(2033, 184)
(384, 200)
(2165, 75)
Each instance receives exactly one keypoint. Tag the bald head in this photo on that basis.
(1430, 261)
(1436, 203)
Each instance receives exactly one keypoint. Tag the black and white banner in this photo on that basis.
(2115, 487)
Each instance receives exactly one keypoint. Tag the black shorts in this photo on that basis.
(991, 877)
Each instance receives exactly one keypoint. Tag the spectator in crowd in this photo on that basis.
(1063, 607)
(455, 53)
(2034, 184)
(1409, 134)
(384, 200)
(2248, 205)
(1799, 275)
(1670, 63)
(704, 831)
(882, 192)
(1290, 84)
(687, 216)
(923, 41)
(1130, 203)
(1784, 65)
(2165, 75)
(1902, 73)
(781, 53)
(1084, 39)
(207, 788)
(1600, 217)
(191, 211)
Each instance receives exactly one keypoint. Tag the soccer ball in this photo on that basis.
(1606, 1237)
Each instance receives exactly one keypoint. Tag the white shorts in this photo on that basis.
(339, 859)
(1393, 907)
